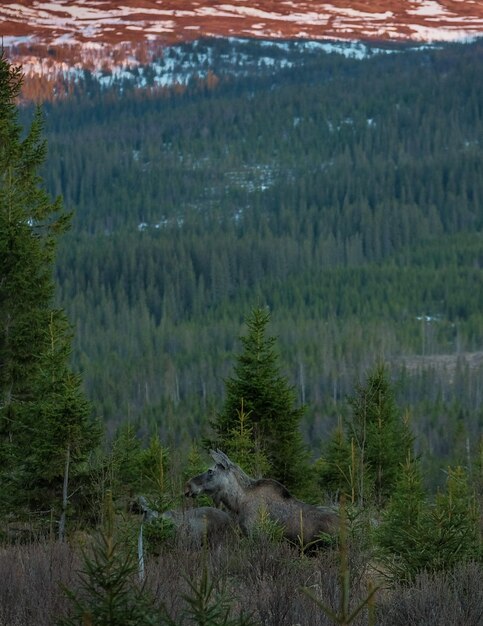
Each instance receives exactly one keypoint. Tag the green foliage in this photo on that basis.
(242, 447)
(267, 528)
(476, 474)
(60, 449)
(417, 534)
(338, 466)
(108, 593)
(402, 533)
(46, 430)
(382, 436)
(194, 466)
(138, 470)
(127, 457)
(263, 397)
(363, 461)
(353, 212)
(453, 523)
(207, 606)
(158, 532)
(154, 467)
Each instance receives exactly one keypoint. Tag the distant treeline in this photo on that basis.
(346, 195)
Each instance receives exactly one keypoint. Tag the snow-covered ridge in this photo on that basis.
(178, 64)
(118, 40)
(67, 21)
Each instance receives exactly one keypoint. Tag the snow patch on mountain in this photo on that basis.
(133, 40)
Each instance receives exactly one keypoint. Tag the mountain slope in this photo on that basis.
(109, 22)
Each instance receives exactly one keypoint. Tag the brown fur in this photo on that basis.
(194, 525)
(247, 499)
(198, 524)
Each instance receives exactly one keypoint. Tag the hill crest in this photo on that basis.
(135, 21)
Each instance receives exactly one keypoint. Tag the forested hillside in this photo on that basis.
(347, 195)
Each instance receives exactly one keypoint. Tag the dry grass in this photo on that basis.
(451, 599)
(258, 577)
(30, 582)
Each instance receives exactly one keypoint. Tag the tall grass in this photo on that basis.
(259, 577)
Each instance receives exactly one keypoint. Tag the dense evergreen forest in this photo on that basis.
(346, 195)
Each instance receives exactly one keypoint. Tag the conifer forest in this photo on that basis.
(344, 195)
(283, 265)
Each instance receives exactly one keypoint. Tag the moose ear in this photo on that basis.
(221, 459)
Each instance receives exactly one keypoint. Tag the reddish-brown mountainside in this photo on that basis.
(52, 38)
(106, 21)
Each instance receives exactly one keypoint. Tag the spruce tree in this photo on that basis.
(109, 593)
(401, 537)
(363, 459)
(416, 534)
(127, 460)
(383, 438)
(337, 469)
(263, 394)
(240, 447)
(45, 426)
(154, 467)
(454, 523)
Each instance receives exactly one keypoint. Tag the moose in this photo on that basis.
(195, 525)
(198, 524)
(247, 499)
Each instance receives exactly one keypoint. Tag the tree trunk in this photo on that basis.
(65, 496)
